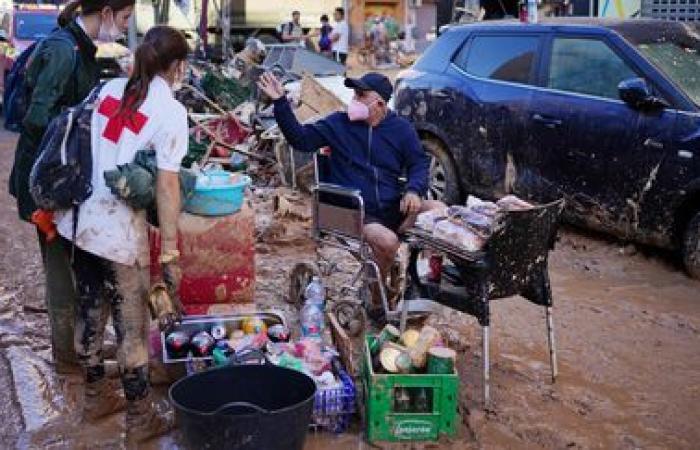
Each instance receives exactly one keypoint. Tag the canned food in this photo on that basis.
(410, 337)
(177, 344)
(441, 361)
(428, 337)
(388, 359)
(389, 334)
(202, 344)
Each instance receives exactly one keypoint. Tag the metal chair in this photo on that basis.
(513, 262)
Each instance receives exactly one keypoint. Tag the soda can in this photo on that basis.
(389, 334)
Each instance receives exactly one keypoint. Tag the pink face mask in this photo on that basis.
(357, 111)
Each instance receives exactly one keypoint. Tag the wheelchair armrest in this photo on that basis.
(336, 189)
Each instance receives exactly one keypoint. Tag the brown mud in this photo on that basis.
(628, 339)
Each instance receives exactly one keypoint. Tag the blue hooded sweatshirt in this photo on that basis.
(371, 159)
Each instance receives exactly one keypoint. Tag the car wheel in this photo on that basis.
(691, 247)
(443, 184)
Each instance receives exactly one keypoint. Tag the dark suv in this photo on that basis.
(604, 114)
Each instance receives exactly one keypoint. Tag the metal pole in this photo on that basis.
(552, 348)
(485, 339)
(132, 36)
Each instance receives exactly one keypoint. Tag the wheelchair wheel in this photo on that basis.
(299, 278)
(350, 317)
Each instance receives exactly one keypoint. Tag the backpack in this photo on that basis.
(289, 26)
(61, 177)
(16, 96)
(324, 43)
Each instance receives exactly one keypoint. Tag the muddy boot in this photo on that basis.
(102, 400)
(146, 420)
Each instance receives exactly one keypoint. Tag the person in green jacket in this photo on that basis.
(61, 73)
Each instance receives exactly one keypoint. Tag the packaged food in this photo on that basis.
(459, 235)
(513, 203)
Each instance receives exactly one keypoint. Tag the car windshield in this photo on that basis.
(681, 64)
(34, 26)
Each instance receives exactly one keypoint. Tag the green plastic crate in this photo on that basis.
(384, 423)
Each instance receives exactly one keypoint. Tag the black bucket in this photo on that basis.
(256, 407)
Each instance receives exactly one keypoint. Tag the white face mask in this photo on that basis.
(109, 34)
(179, 77)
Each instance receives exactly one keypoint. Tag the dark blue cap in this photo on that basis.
(372, 82)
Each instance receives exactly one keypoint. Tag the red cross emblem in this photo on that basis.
(109, 107)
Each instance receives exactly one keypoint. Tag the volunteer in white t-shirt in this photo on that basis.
(340, 36)
(111, 247)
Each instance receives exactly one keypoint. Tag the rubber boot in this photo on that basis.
(145, 420)
(102, 400)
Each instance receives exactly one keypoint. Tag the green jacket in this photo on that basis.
(58, 76)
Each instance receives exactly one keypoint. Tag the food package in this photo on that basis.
(427, 220)
(513, 203)
(480, 206)
(458, 235)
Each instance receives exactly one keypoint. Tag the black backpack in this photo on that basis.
(61, 177)
(16, 95)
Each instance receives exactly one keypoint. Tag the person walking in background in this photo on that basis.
(292, 32)
(325, 45)
(61, 73)
(340, 36)
(111, 251)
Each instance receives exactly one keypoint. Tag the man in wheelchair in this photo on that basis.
(371, 149)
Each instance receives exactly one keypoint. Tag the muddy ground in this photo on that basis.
(628, 335)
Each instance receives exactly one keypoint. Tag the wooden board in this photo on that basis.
(317, 101)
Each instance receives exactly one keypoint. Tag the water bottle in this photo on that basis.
(312, 321)
(315, 292)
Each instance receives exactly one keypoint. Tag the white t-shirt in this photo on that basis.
(341, 30)
(107, 227)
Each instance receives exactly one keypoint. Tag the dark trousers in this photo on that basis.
(107, 288)
(60, 300)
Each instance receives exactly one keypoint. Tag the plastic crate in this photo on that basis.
(385, 423)
(334, 407)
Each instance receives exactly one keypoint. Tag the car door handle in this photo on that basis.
(548, 122)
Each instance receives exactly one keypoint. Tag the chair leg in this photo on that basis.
(485, 339)
(552, 347)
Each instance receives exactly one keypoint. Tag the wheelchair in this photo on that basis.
(338, 221)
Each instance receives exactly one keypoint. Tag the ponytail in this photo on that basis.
(87, 7)
(161, 46)
(70, 12)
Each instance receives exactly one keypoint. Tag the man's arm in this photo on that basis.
(305, 138)
(417, 164)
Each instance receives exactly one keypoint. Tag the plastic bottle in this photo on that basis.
(315, 292)
(312, 321)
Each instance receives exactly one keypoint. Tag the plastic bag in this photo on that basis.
(427, 220)
(458, 235)
(513, 203)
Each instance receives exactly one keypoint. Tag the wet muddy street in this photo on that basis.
(628, 339)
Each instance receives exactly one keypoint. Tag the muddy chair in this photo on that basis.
(338, 221)
(513, 262)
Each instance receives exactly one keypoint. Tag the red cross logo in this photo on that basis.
(109, 107)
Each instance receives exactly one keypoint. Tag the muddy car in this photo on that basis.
(604, 114)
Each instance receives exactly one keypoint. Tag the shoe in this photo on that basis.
(146, 420)
(102, 400)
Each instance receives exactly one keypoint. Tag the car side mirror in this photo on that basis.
(637, 94)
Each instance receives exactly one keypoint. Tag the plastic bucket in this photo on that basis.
(251, 407)
(215, 195)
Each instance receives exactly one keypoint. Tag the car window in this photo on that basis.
(586, 66)
(505, 58)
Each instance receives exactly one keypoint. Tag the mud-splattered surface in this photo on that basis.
(628, 335)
